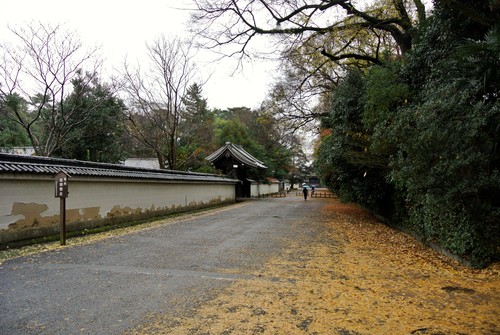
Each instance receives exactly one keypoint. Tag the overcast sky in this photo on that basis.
(123, 27)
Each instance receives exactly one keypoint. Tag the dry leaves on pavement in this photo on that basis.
(361, 277)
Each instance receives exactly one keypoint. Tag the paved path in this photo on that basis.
(109, 286)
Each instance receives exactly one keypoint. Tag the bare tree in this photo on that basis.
(36, 73)
(315, 41)
(235, 23)
(154, 96)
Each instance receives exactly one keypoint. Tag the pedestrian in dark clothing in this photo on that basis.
(305, 191)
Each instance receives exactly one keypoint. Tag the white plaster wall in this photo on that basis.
(257, 189)
(106, 195)
(274, 188)
(264, 189)
(145, 196)
(25, 191)
(254, 190)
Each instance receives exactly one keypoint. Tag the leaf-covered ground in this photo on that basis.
(360, 277)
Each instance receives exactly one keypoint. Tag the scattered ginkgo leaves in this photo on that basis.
(361, 277)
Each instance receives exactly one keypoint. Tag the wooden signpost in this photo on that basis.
(61, 192)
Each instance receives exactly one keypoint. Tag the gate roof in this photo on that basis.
(236, 152)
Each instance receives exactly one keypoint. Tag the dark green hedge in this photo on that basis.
(417, 140)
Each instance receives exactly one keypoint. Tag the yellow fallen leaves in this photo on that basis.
(361, 278)
(411, 286)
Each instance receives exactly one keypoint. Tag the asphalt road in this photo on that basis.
(114, 284)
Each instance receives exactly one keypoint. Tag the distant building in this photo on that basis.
(21, 151)
(285, 185)
(146, 163)
(314, 181)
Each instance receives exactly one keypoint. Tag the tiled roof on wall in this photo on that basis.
(14, 164)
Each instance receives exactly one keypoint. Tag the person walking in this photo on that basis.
(305, 191)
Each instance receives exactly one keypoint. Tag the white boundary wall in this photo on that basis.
(258, 189)
(28, 207)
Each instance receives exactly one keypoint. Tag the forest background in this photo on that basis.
(405, 100)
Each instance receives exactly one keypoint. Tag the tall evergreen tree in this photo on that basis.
(99, 138)
(12, 134)
(195, 131)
